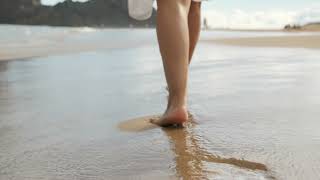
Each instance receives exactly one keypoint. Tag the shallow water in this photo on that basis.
(256, 111)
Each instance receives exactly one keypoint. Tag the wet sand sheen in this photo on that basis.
(188, 149)
(256, 110)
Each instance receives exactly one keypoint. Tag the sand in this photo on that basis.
(312, 27)
(180, 140)
(300, 41)
(138, 124)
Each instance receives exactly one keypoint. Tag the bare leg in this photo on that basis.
(173, 38)
(194, 22)
(194, 25)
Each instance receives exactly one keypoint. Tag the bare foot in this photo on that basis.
(174, 116)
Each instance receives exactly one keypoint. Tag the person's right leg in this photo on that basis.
(173, 38)
(194, 23)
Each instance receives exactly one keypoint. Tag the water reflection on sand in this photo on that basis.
(256, 112)
(191, 157)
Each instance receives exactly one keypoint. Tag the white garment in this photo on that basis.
(142, 9)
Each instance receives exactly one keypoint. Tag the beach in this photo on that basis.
(75, 103)
(298, 41)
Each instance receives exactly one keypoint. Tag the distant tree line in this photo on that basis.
(292, 27)
(96, 13)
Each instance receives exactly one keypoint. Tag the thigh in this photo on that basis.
(173, 4)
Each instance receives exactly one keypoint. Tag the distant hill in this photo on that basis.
(97, 13)
(312, 26)
(307, 27)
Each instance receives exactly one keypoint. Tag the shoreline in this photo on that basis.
(55, 49)
(31, 50)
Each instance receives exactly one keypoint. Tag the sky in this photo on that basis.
(254, 14)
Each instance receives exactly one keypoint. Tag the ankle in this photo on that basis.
(177, 101)
(177, 107)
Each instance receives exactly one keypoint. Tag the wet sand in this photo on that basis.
(179, 137)
(304, 41)
(85, 115)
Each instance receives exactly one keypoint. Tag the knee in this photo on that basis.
(180, 7)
